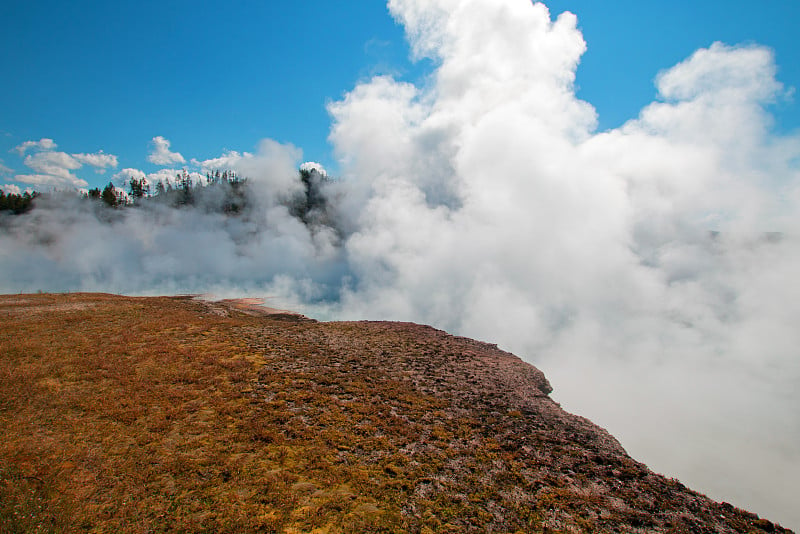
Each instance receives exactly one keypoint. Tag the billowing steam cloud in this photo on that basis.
(648, 270)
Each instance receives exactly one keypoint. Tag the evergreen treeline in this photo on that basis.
(15, 203)
(221, 192)
(224, 184)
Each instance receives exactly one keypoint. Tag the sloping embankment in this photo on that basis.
(168, 414)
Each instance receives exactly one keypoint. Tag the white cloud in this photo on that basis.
(11, 189)
(166, 176)
(161, 155)
(125, 175)
(746, 72)
(50, 181)
(53, 169)
(225, 161)
(42, 144)
(99, 160)
(4, 169)
(56, 163)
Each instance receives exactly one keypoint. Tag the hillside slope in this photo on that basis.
(125, 414)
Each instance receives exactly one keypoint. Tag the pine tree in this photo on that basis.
(109, 195)
(139, 188)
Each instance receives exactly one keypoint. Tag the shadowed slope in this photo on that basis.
(168, 414)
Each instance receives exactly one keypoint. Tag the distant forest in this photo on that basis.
(223, 192)
(15, 203)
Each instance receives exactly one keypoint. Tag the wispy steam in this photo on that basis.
(648, 270)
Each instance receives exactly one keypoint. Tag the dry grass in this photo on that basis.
(124, 414)
(164, 415)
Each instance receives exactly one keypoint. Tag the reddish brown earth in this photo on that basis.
(168, 414)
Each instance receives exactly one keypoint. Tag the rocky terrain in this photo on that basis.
(172, 414)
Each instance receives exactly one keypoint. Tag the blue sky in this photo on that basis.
(111, 76)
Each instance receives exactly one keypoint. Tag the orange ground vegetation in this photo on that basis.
(123, 414)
